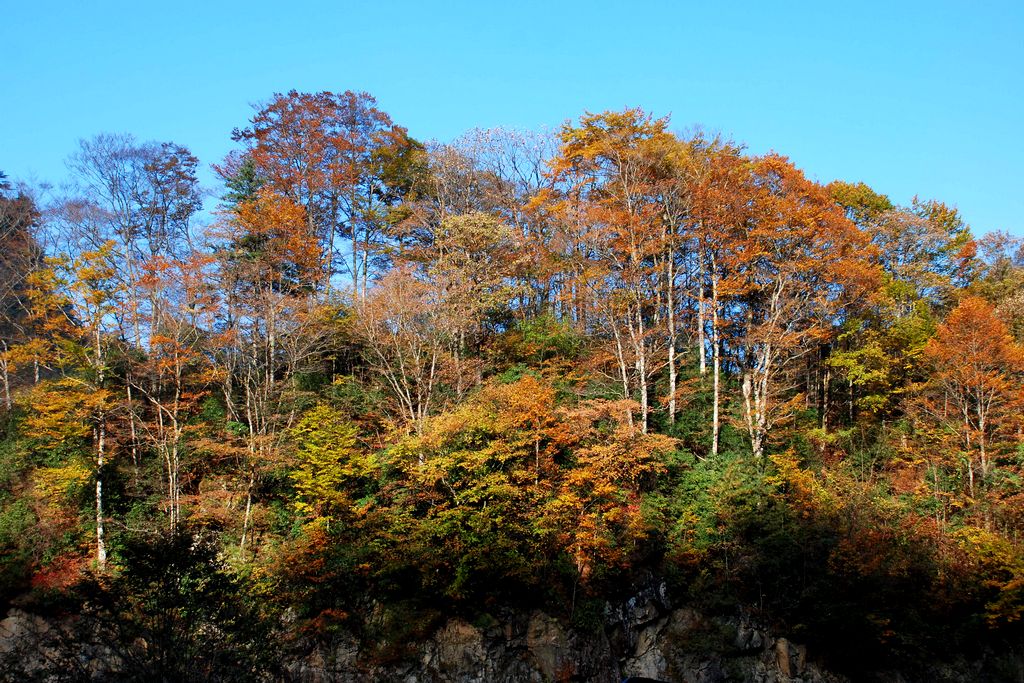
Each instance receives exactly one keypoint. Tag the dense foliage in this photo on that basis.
(516, 369)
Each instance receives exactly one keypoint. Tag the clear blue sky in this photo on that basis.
(911, 97)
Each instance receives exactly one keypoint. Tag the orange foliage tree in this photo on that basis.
(794, 263)
(339, 158)
(614, 237)
(975, 392)
(270, 321)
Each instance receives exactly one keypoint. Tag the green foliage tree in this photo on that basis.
(328, 461)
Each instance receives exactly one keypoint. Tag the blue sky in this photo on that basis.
(911, 97)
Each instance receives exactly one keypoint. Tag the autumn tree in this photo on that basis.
(148, 191)
(21, 255)
(423, 325)
(408, 342)
(1000, 278)
(975, 390)
(795, 263)
(924, 253)
(175, 375)
(83, 294)
(717, 177)
(498, 171)
(142, 197)
(473, 266)
(614, 237)
(327, 461)
(343, 161)
(270, 323)
(596, 512)
(512, 471)
(925, 250)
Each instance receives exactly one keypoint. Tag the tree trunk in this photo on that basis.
(701, 352)
(716, 350)
(826, 381)
(6, 380)
(640, 345)
(670, 321)
(101, 546)
(755, 400)
(623, 370)
(133, 433)
(101, 444)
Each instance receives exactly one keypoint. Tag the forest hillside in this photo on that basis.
(376, 381)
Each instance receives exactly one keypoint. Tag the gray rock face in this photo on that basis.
(644, 636)
(33, 648)
(534, 647)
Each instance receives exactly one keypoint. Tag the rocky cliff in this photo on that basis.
(642, 636)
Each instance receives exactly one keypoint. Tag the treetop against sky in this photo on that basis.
(913, 98)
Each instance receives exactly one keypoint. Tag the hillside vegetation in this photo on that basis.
(519, 370)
